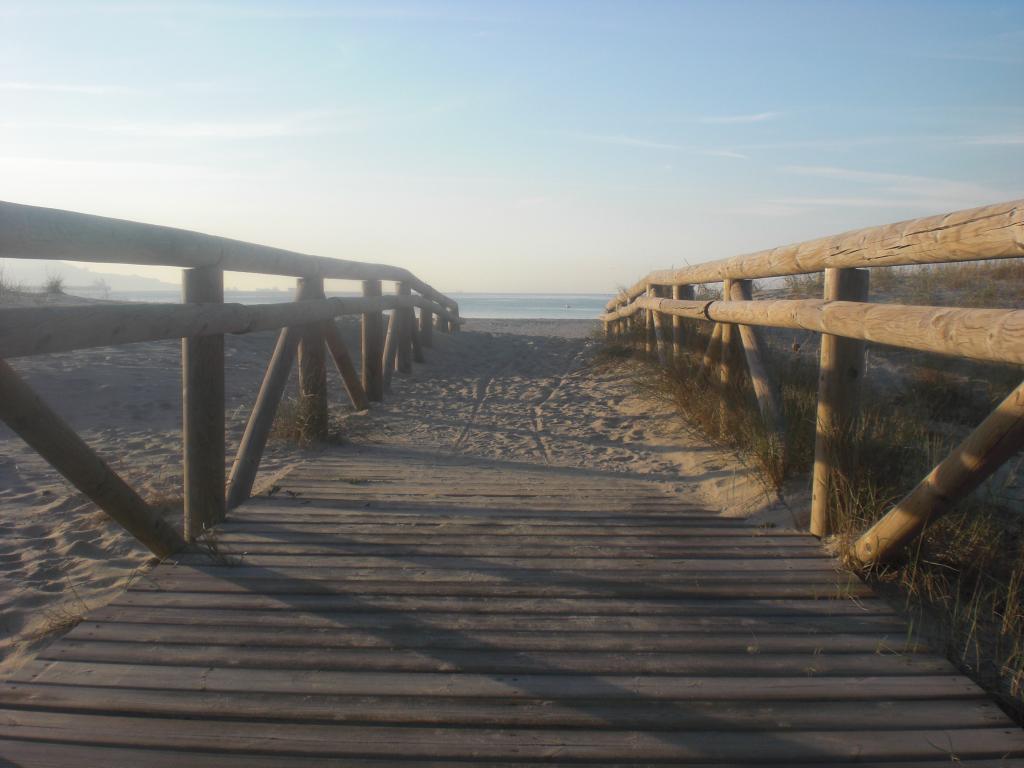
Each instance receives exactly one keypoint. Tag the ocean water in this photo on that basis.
(506, 306)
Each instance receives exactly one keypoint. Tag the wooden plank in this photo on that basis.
(318, 739)
(659, 716)
(872, 623)
(425, 637)
(202, 396)
(568, 687)
(484, 660)
(53, 439)
(766, 392)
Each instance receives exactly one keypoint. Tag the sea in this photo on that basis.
(504, 306)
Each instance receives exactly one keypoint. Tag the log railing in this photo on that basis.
(846, 321)
(307, 333)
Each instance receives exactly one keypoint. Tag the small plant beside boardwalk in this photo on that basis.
(961, 582)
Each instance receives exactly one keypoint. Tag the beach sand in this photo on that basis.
(515, 390)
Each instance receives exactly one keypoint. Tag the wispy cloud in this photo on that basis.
(643, 143)
(90, 89)
(998, 140)
(891, 190)
(757, 117)
(299, 124)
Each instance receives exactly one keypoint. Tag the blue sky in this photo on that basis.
(515, 146)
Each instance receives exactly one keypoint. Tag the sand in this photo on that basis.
(515, 390)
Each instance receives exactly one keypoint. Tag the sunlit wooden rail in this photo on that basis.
(308, 334)
(654, 308)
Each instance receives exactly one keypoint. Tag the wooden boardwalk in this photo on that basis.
(388, 608)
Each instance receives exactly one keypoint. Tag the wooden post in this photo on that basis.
(372, 346)
(261, 420)
(768, 399)
(999, 437)
(726, 373)
(51, 437)
(312, 369)
(404, 331)
(678, 332)
(417, 342)
(202, 379)
(839, 382)
(714, 349)
(426, 328)
(390, 348)
(346, 368)
(651, 331)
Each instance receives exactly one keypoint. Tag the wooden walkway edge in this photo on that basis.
(390, 608)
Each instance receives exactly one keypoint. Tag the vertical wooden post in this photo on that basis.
(426, 328)
(839, 382)
(414, 335)
(726, 373)
(679, 292)
(202, 391)
(768, 399)
(403, 316)
(312, 369)
(713, 352)
(261, 419)
(373, 346)
(651, 338)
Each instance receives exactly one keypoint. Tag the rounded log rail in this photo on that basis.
(990, 232)
(31, 232)
(995, 335)
(991, 335)
(41, 330)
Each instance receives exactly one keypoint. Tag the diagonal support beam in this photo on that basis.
(53, 439)
(261, 420)
(981, 453)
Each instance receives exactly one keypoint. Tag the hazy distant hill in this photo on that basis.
(32, 273)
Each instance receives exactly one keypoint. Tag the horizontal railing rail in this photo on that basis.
(308, 334)
(31, 232)
(653, 310)
(989, 232)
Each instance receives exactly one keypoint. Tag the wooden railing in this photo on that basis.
(656, 307)
(308, 333)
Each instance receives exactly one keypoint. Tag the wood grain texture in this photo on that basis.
(511, 614)
(840, 374)
(990, 232)
(980, 334)
(202, 406)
